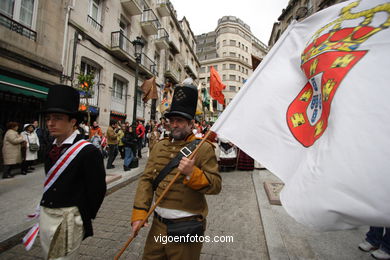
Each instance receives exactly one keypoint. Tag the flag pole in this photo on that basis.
(135, 233)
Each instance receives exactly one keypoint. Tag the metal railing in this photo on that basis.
(147, 62)
(119, 40)
(149, 16)
(94, 23)
(162, 34)
(17, 27)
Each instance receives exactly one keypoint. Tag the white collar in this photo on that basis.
(68, 140)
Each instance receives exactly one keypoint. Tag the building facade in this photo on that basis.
(234, 52)
(93, 37)
(31, 41)
(298, 10)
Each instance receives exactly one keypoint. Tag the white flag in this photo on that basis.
(316, 113)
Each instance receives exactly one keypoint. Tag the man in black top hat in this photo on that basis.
(75, 179)
(185, 202)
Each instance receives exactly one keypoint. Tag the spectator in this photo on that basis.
(12, 145)
(377, 242)
(140, 134)
(112, 142)
(130, 142)
(95, 129)
(154, 137)
(121, 146)
(32, 148)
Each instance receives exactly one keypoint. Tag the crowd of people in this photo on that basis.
(23, 147)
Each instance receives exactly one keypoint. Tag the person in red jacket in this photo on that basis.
(140, 131)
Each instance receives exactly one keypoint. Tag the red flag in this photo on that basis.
(216, 86)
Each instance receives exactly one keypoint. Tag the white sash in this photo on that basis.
(54, 173)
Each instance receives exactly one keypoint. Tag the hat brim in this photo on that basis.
(178, 113)
(77, 115)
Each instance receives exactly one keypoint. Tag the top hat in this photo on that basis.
(184, 101)
(62, 99)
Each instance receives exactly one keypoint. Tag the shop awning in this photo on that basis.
(18, 86)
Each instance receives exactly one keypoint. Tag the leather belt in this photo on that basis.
(167, 221)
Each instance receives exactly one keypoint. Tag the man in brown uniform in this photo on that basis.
(186, 199)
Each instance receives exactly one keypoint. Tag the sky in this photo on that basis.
(203, 15)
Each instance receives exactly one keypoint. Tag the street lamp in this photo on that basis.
(138, 44)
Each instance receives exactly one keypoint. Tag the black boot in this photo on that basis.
(7, 172)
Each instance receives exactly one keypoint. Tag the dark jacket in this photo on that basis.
(82, 184)
(130, 140)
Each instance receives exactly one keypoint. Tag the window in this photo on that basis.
(223, 66)
(88, 68)
(232, 88)
(118, 88)
(223, 42)
(223, 77)
(203, 70)
(232, 66)
(95, 14)
(232, 54)
(22, 11)
(215, 67)
(95, 9)
(232, 77)
(233, 42)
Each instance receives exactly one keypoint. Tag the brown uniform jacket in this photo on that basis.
(187, 195)
(112, 137)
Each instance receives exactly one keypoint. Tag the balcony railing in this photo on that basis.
(119, 40)
(95, 24)
(17, 27)
(148, 16)
(163, 7)
(161, 39)
(147, 62)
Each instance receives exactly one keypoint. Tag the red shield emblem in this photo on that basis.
(325, 62)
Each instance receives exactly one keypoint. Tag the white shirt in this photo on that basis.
(68, 140)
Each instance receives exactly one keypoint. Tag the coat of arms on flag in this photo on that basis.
(326, 61)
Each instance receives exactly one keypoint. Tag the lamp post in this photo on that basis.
(138, 45)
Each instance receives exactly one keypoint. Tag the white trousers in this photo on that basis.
(61, 232)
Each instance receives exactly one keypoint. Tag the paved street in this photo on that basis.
(234, 212)
(260, 230)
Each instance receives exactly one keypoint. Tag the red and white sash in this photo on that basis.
(54, 173)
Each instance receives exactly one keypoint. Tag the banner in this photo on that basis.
(316, 113)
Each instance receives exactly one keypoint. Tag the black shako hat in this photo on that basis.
(184, 101)
(62, 99)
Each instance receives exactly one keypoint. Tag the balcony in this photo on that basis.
(148, 64)
(174, 43)
(95, 24)
(191, 70)
(172, 73)
(161, 39)
(149, 22)
(121, 46)
(17, 27)
(133, 7)
(163, 7)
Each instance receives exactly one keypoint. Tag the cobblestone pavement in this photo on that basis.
(234, 212)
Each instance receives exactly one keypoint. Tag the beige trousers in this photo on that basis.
(61, 232)
(171, 251)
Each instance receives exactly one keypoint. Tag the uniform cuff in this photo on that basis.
(197, 181)
(138, 214)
